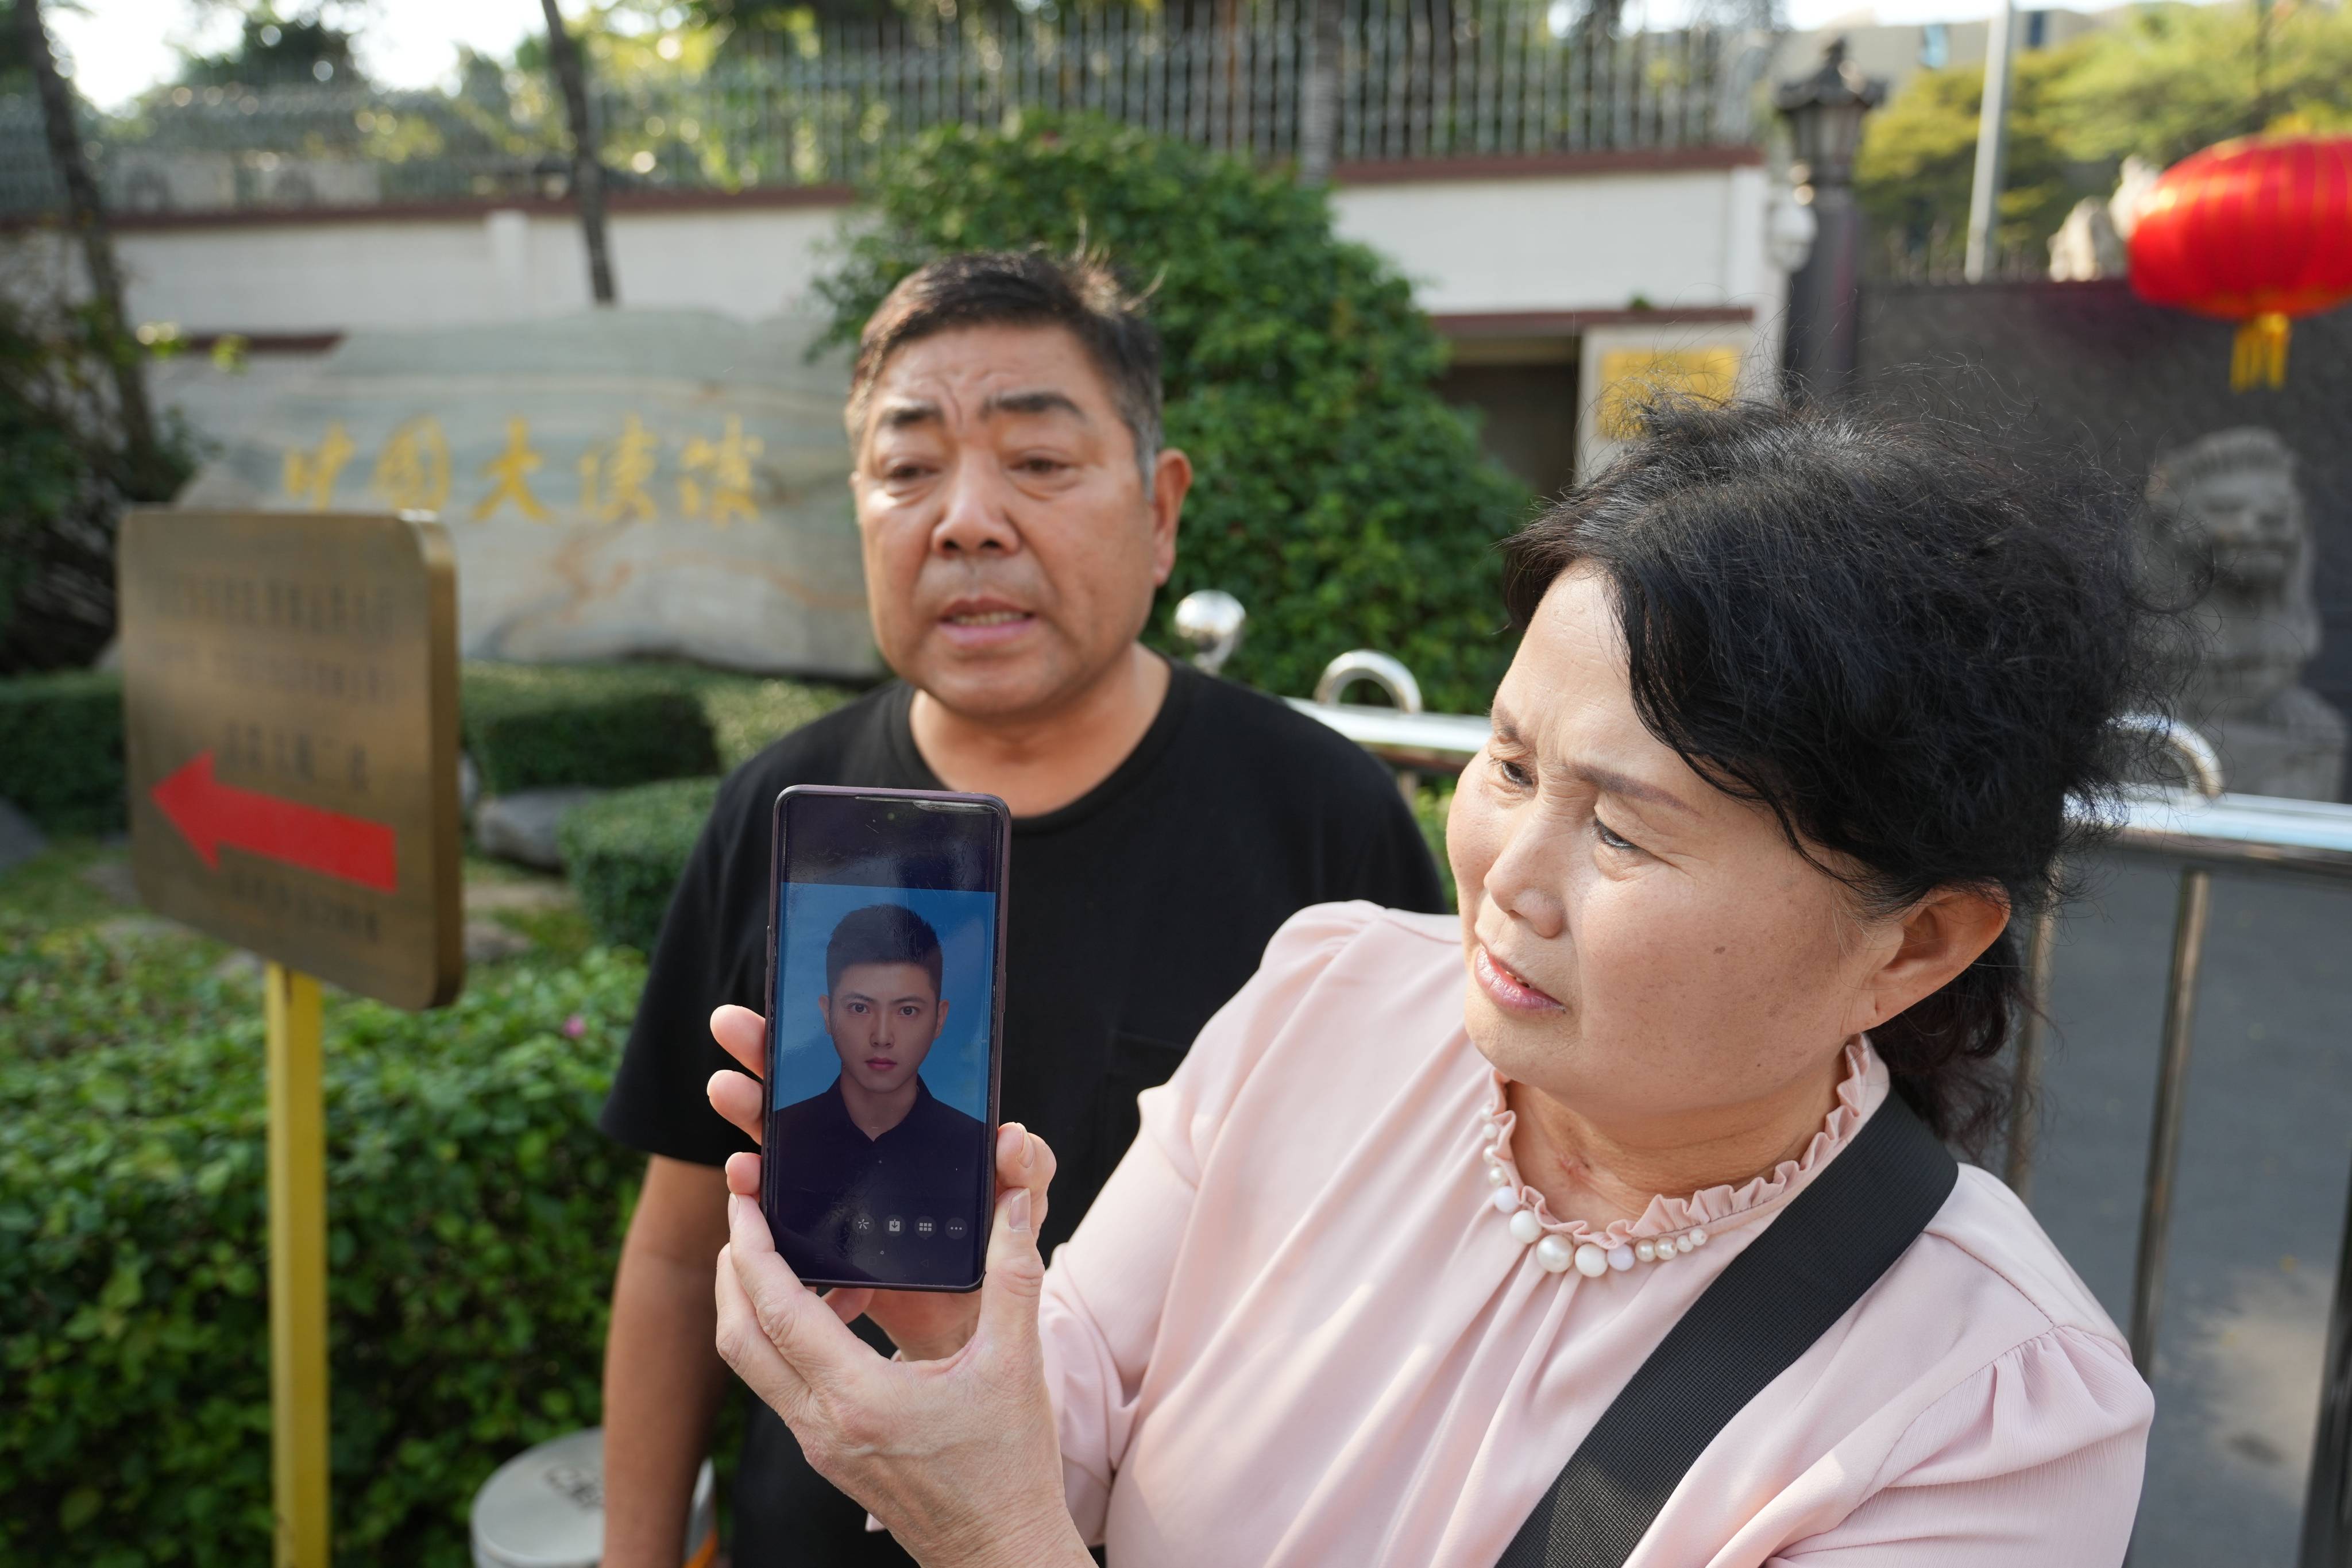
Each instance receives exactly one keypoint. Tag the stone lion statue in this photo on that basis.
(2226, 523)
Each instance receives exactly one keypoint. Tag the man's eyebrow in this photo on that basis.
(912, 411)
(1043, 400)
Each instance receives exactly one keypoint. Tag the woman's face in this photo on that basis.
(1642, 946)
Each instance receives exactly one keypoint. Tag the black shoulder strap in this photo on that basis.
(1814, 1260)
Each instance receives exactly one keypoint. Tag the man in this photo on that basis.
(1017, 513)
(876, 1144)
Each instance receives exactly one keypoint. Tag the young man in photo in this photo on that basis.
(1017, 513)
(876, 1146)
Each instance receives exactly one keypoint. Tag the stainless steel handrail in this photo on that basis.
(2208, 829)
(2254, 832)
(1391, 676)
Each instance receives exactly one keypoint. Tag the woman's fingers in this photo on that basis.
(849, 1303)
(742, 1101)
(744, 1347)
(814, 1346)
(1016, 1270)
(1017, 1275)
(1023, 1159)
(743, 1035)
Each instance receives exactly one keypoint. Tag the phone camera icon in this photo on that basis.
(894, 1225)
(956, 1228)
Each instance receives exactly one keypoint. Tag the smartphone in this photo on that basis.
(886, 1018)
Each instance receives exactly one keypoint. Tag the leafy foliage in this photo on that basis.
(475, 1214)
(2171, 79)
(626, 852)
(61, 750)
(533, 726)
(272, 47)
(66, 471)
(1432, 803)
(1337, 497)
(747, 712)
(2159, 83)
(1919, 155)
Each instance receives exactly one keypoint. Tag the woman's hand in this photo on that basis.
(956, 1455)
(924, 1324)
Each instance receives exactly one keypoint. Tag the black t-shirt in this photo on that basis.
(865, 1200)
(1133, 914)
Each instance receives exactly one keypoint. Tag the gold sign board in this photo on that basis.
(290, 703)
(1710, 373)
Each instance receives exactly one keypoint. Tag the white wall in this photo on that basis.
(1554, 243)
(393, 273)
(1581, 242)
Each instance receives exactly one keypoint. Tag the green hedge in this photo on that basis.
(474, 1217)
(61, 750)
(624, 854)
(534, 726)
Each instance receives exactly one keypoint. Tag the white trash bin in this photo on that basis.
(545, 1509)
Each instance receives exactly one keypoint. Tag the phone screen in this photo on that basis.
(886, 985)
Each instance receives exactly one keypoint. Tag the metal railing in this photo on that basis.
(2201, 826)
(824, 106)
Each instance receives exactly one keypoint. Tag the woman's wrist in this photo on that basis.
(1047, 1541)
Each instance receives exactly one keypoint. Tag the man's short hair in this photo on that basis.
(882, 934)
(1024, 289)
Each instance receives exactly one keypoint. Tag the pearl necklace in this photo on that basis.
(1553, 1252)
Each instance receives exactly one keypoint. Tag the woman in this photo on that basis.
(1786, 743)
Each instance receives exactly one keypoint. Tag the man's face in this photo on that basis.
(1011, 550)
(883, 1018)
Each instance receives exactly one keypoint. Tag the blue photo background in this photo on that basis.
(957, 1070)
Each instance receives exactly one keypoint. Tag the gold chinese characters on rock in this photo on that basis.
(625, 479)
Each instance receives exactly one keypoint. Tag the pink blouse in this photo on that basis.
(1294, 1330)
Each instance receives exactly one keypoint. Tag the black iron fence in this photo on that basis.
(1417, 80)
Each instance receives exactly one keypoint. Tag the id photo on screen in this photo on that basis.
(880, 1071)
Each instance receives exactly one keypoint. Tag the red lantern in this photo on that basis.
(2257, 231)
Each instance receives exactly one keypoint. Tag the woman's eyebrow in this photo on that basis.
(1608, 781)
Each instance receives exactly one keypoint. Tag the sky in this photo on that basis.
(121, 46)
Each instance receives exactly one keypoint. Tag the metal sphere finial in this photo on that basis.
(1210, 621)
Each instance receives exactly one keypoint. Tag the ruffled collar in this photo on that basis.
(1859, 1092)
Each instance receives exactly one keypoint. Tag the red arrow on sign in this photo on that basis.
(209, 814)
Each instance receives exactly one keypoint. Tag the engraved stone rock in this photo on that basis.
(2227, 523)
(522, 827)
(615, 484)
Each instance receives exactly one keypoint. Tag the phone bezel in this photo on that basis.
(1001, 817)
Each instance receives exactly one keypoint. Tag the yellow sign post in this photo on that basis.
(298, 1267)
(290, 717)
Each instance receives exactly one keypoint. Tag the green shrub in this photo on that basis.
(69, 465)
(1337, 497)
(624, 852)
(1432, 803)
(61, 750)
(533, 726)
(475, 1214)
(747, 712)
(526, 725)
